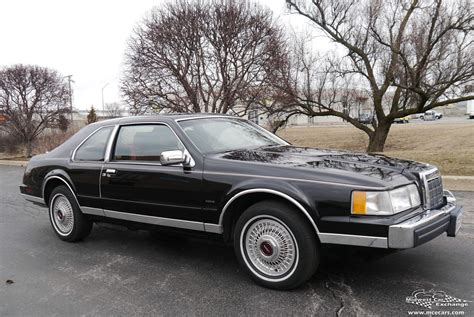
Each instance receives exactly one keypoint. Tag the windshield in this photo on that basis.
(226, 134)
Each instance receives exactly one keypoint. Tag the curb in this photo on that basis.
(13, 163)
(458, 178)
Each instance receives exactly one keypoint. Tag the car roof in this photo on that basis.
(160, 118)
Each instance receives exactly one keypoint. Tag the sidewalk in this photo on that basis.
(455, 183)
(459, 183)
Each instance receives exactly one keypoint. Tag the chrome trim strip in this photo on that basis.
(92, 211)
(34, 199)
(176, 223)
(269, 191)
(355, 186)
(65, 182)
(207, 117)
(145, 163)
(212, 228)
(356, 240)
(110, 142)
(333, 238)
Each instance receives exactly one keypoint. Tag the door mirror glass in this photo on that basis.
(172, 157)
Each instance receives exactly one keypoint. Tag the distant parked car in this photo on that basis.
(366, 118)
(405, 119)
(431, 115)
(470, 109)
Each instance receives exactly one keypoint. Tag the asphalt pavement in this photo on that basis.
(116, 271)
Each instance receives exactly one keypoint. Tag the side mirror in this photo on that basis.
(172, 157)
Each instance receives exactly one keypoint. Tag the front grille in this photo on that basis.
(433, 190)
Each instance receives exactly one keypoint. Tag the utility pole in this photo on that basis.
(70, 93)
(103, 104)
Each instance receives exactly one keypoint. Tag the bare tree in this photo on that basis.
(113, 110)
(33, 98)
(407, 56)
(201, 56)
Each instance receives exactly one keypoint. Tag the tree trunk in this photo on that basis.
(378, 138)
(29, 148)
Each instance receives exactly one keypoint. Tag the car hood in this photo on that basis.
(371, 165)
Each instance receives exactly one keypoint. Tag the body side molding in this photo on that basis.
(168, 222)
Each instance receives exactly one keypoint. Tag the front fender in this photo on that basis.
(282, 189)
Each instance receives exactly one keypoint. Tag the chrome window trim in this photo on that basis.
(73, 155)
(115, 135)
(207, 117)
(110, 143)
(145, 163)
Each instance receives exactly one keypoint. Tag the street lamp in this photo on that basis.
(103, 104)
(70, 93)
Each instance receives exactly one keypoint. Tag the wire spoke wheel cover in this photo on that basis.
(62, 215)
(270, 247)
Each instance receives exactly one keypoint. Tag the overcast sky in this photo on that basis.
(85, 38)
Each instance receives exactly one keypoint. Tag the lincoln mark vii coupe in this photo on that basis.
(223, 175)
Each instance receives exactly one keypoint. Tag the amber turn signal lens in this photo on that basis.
(358, 203)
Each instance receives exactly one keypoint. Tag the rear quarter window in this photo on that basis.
(93, 149)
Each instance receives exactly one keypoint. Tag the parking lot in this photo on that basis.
(116, 271)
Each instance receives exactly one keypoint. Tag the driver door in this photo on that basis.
(136, 187)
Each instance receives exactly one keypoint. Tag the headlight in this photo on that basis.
(386, 202)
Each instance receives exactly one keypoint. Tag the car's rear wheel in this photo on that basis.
(66, 218)
(276, 245)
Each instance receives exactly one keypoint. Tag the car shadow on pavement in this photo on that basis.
(211, 251)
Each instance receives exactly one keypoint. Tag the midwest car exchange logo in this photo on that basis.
(435, 299)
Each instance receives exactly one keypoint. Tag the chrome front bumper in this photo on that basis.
(427, 225)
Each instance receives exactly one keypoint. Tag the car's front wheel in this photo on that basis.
(276, 245)
(65, 216)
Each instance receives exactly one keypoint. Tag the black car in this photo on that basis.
(275, 202)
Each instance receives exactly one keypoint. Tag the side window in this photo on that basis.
(145, 142)
(93, 149)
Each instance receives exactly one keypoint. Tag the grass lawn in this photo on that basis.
(450, 146)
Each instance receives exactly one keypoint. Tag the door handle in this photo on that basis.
(109, 172)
